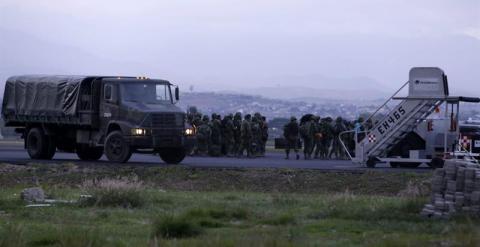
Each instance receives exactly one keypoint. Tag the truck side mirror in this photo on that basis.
(110, 93)
(177, 94)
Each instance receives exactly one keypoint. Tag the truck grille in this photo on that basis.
(167, 119)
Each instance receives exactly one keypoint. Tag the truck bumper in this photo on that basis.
(160, 142)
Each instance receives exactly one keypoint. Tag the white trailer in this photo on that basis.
(421, 128)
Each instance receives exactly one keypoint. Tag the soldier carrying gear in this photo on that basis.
(338, 128)
(317, 140)
(290, 132)
(264, 131)
(307, 132)
(246, 136)
(216, 136)
(203, 136)
(256, 135)
(228, 135)
(237, 125)
(327, 136)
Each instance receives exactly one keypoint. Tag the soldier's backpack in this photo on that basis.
(304, 130)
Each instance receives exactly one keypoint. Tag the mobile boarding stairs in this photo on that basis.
(405, 136)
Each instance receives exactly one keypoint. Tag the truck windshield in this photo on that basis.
(147, 93)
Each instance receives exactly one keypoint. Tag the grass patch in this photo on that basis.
(170, 226)
(283, 219)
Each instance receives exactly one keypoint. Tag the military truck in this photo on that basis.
(96, 115)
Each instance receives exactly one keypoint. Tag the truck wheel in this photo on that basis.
(51, 148)
(172, 155)
(84, 152)
(116, 148)
(436, 163)
(37, 144)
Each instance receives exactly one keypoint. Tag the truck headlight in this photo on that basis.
(189, 131)
(139, 131)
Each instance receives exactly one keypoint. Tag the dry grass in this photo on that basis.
(415, 188)
(114, 192)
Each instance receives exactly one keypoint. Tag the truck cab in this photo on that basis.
(140, 115)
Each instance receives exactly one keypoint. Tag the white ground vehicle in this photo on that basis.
(421, 128)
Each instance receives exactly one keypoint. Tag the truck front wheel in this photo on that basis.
(117, 148)
(84, 152)
(172, 155)
(39, 146)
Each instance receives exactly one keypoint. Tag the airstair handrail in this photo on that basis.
(343, 144)
(384, 104)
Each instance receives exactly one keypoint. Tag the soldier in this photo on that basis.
(336, 146)
(307, 132)
(237, 125)
(327, 133)
(256, 134)
(290, 132)
(216, 137)
(246, 136)
(228, 135)
(203, 136)
(264, 128)
(317, 140)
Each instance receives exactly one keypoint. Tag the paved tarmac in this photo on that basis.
(13, 152)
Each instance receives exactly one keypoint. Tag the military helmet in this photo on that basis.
(205, 118)
(293, 119)
(248, 116)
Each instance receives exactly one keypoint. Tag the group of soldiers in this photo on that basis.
(319, 137)
(233, 135)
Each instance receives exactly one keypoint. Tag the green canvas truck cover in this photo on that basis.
(37, 95)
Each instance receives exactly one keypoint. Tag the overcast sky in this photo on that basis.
(234, 44)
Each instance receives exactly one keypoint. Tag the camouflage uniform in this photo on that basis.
(290, 132)
(246, 136)
(336, 146)
(264, 130)
(327, 134)
(317, 140)
(204, 134)
(256, 134)
(237, 126)
(307, 132)
(216, 137)
(228, 135)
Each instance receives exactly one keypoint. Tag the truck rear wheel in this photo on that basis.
(39, 146)
(84, 152)
(172, 155)
(116, 148)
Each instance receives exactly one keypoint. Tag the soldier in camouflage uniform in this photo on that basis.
(204, 133)
(327, 134)
(237, 126)
(336, 146)
(317, 140)
(264, 130)
(290, 133)
(307, 132)
(246, 136)
(256, 134)
(216, 137)
(228, 137)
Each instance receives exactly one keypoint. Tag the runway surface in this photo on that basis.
(13, 152)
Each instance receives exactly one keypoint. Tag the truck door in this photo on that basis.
(109, 106)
